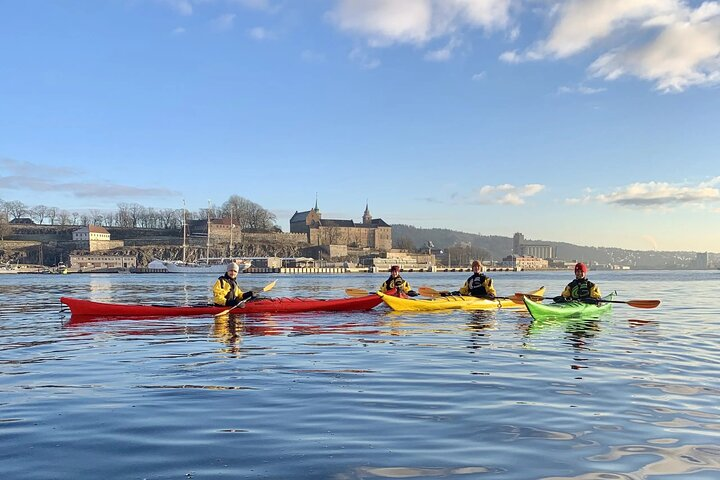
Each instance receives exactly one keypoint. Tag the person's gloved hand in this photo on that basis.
(248, 295)
(559, 299)
(412, 293)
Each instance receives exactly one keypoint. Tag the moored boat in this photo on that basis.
(578, 309)
(95, 310)
(212, 265)
(457, 302)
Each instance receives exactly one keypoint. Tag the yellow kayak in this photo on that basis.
(458, 302)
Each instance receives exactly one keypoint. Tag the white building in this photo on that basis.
(90, 232)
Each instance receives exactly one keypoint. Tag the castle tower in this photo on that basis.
(367, 218)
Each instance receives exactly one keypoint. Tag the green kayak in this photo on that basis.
(570, 309)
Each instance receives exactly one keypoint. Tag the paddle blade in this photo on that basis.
(269, 286)
(643, 303)
(428, 292)
(534, 298)
(356, 292)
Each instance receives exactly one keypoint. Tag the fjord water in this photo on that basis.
(633, 394)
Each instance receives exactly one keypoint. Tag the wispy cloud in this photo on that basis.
(260, 33)
(580, 90)
(479, 76)
(187, 7)
(505, 194)
(43, 178)
(310, 56)
(83, 189)
(661, 194)
(361, 57)
(224, 22)
(639, 38)
(183, 7)
(386, 22)
(265, 5)
(19, 167)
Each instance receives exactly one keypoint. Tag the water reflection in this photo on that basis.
(362, 395)
(680, 460)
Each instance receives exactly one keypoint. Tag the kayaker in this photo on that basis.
(226, 292)
(478, 285)
(581, 288)
(397, 282)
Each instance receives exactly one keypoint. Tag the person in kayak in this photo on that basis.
(478, 285)
(226, 292)
(581, 288)
(397, 282)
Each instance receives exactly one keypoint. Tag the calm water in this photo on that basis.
(368, 395)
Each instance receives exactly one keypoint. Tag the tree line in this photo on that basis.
(245, 214)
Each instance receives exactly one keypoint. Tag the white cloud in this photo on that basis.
(505, 194)
(361, 57)
(224, 22)
(661, 194)
(43, 178)
(183, 7)
(255, 4)
(260, 33)
(580, 90)
(443, 54)
(682, 55)
(666, 42)
(310, 56)
(479, 76)
(178, 31)
(386, 22)
(187, 7)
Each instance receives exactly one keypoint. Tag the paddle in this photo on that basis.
(431, 292)
(632, 303)
(357, 292)
(266, 288)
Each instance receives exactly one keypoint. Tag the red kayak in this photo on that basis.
(87, 308)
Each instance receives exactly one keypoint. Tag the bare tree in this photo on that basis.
(170, 218)
(52, 214)
(248, 215)
(16, 208)
(39, 212)
(63, 217)
(96, 216)
(5, 228)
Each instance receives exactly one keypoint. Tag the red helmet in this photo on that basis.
(395, 268)
(581, 267)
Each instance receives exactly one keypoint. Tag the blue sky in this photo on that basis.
(593, 122)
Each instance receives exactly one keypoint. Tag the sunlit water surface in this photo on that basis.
(366, 395)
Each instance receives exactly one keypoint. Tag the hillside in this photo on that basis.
(499, 247)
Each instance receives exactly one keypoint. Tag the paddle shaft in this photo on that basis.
(632, 303)
(266, 288)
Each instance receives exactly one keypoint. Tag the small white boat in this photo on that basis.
(211, 265)
(7, 268)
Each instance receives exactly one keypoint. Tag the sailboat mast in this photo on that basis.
(184, 226)
(231, 231)
(207, 253)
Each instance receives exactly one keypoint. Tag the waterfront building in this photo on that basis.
(703, 261)
(538, 250)
(524, 262)
(87, 263)
(94, 238)
(371, 233)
